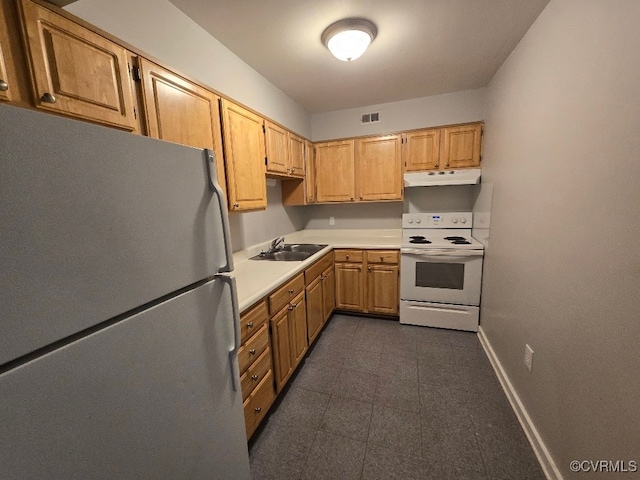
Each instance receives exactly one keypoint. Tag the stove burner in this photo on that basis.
(418, 239)
(454, 238)
(461, 242)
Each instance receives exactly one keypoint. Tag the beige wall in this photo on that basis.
(562, 269)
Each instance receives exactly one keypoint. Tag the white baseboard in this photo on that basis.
(539, 448)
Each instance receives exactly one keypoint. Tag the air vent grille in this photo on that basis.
(367, 118)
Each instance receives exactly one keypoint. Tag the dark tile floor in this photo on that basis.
(378, 400)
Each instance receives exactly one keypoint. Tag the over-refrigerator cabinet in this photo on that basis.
(118, 322)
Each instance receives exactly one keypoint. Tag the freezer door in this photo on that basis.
(95, 222)
(149, 397)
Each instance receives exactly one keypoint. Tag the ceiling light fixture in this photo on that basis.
(348, 39)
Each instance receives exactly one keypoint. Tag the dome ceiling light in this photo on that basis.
(348, 39)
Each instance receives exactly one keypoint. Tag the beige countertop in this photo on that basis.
(256, 278)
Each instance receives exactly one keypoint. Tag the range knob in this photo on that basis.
(418, 220)
(454, 219)
(410, 220)
(463, 220)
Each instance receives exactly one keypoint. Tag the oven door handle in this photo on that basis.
(442, 253)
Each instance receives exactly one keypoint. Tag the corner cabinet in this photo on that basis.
(182, 112)
(75, 71)
(243, 140)
(379, 168)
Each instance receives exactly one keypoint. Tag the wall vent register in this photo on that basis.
(367, 118)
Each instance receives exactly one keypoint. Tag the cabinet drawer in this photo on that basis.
(253, 320)
(255, 373)
(251, 350)
(348, 255)
(282, 295)
(315, 270)
(382, 256)
(258, 403)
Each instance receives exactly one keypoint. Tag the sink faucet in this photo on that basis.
(276, 244)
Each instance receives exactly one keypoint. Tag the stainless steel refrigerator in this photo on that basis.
(118, 321)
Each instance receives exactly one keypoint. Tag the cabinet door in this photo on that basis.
(461, 146)
(379, 168)
(315, 309)
(328, 293)
(298, 319)
(335, 171)
(179, 111)
(244, 158)
(280, 341)
(421, 150)
(349, 286)
(277, 145)
(296, 155)
(310, 172)
(382, 289)
(75, 71)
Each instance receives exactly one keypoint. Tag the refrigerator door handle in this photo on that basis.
(237, 340)
(214, 186)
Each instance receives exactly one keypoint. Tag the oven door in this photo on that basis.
(443, 276)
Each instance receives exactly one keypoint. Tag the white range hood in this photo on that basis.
(469, 176)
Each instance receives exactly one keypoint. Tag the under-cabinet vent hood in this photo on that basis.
(442, 177)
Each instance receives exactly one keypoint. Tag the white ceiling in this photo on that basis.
(423, 47)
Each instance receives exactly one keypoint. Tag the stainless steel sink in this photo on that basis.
(294, 252)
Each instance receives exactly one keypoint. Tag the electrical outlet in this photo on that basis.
(528, 357)
(332, 220)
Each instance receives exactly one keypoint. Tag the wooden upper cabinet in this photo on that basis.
(335, 171)
(277, 148)
(379, 168)
(244, 157)
(421, 150)
(76, 72)
(182, 112)
(296, 155)
(310, 172)
(461, 146)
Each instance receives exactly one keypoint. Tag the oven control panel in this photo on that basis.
(437, 220)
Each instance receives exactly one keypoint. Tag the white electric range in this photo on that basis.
(441, 271)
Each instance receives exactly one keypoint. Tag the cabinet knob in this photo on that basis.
(381, 258)
(351, 198)
(236, 205)
(435, 165)
(249, 324)
(347, 257)
(4, 86)
(252, 351)
(359, 269)
(258, 409)
(361, 197)
(447, 164)
(254, 378)
(369, 269)
(291, 290)
(48, 98)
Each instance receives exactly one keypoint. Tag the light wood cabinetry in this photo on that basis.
(375, 291)
(243, 141)
(442, 148)
(288, 328)
(382, 282)
(254, 361)
(75, 71)
(421, 150)
(320, 295)
(310, 172)
(182, 112)
(14, 82)
(335, 179)
(378, 162)
(296, 155)
(461, 146)
(277, 148)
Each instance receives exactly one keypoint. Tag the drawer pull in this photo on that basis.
(258, 409)
(249, 324)
(48, 98)
(254, 378)
(4, 86)
(347, 257)
(252, 351)
(291, 290)
(381, 258)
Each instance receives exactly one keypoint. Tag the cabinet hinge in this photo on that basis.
(135, 113)
(134, 72)
(265, 161)
(264, 130)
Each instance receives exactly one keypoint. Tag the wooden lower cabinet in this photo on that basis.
(320, 295)
(328, 292)
(254, 361)
(315, 309)
(298, 318)
(367, 281)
